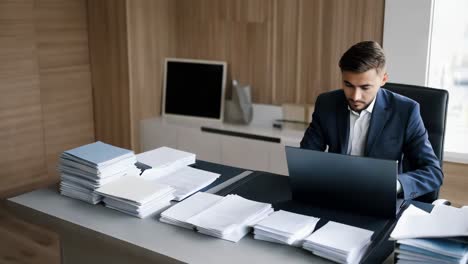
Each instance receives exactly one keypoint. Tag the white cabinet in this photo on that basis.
(157, 134)
(207, 147)
(277, 159)
(245, 153)
(232, 150)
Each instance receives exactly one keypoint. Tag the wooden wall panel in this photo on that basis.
(65, 79)
(129, 41)
(246, 11)
(151, 33)
(327, 30)
(238, 32)
(200, 34)
(110, 73)
(288, 50)
(311, 59)
(249, 32)
(46, 103)
(22, 150)
(286, 14)
(249, 44)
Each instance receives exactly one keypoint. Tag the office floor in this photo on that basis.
(24, 242)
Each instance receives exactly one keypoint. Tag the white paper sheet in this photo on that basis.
(339, 242)
(230, 211)
(134, 189)
(191, 206)
(443, 221)
(186, 181)
(285, 227)
(166, 157)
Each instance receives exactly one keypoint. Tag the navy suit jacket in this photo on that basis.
(395, 129)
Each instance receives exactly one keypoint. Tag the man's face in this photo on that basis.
(361, 88)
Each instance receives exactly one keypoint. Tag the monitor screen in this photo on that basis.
(194, 88)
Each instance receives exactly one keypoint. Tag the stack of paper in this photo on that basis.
(443, 221)
(338, 242)
(164, 160)
(429, 237)
(185, 181)
(285, 228)
(431, 251)
(181, 212)
(231, 218)
(86, 168)
(136, 196)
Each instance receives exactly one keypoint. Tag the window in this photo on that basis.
(448, 69)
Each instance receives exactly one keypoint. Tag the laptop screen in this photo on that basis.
(358, 184)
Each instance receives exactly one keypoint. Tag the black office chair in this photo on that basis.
(433, 107)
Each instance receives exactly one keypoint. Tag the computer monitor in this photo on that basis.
(194, 89)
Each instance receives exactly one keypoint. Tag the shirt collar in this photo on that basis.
(369, 109)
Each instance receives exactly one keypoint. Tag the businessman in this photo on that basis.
(364, 119)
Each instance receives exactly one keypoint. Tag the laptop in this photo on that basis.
(358, 184)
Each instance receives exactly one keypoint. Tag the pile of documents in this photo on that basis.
(285, 228)
(338, 242)
(229, 218)
(180, 213)
(185, 181)
(86, 168)
(437, 237)
(136, 196)
(170, 167)
(164, 160)
(428, 251)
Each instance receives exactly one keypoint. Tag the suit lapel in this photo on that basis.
(342, 123)
(380, 115)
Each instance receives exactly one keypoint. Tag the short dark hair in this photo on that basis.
(363, 56)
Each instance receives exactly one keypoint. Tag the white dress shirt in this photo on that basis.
(358, 128)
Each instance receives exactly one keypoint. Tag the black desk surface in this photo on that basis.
(274, 189)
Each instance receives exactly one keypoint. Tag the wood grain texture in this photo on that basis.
(23, 242)
(150, 28)
(46, 103)
(197, 34)
(327, 30)
(22, 150)
(65, 76)
(110, 73)
(455, 187)
(311, 62)
(288, 50)
(238, 32)
(129, 41)
(286, 53)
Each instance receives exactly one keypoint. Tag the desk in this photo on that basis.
(96, 234)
